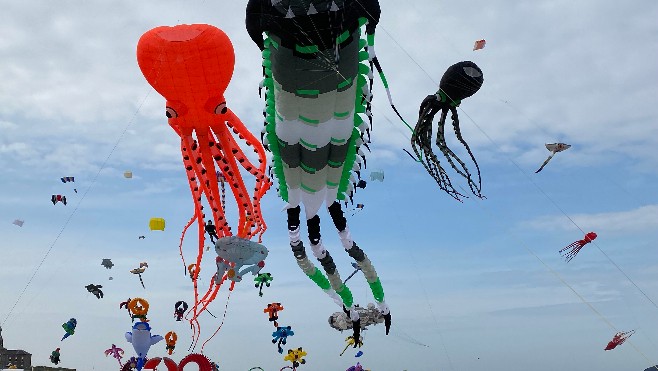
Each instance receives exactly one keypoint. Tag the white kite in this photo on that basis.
(554, 148)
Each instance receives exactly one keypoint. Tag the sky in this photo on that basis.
(472, 285)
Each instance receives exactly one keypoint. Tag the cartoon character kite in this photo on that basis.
(479, 44)
(296, 356)
(281, 337)
(170, 339)
(54, 356)
(179, 310)
(141, 339)
(138, 308)
(262, 279)
(69, 327)
(273, 311)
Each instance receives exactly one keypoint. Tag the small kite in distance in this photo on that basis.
(69, 327)
(479, 44)
(571, 250)
(262, 279)
(95, 289)
(352, 342)
(554, 148)
(296, 356)
(107, 263)
(273, 311)
(18, 222)
(116, 352)
(179, 310)
(58, 198)
(54, 356)
(170, 340)
(377, 175)
(280, 337)
(619, 339)
(139, 271)
(142, 340)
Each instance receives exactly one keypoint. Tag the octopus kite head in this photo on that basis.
(461, 80)
(191, 66)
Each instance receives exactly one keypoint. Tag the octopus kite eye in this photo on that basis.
(221, 108)
(171, 113)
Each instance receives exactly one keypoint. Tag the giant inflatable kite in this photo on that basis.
(316, 75)
(141, 339)
(191, 66)
(460, 81)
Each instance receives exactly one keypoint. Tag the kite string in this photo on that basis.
(77, 206)
(427, 300)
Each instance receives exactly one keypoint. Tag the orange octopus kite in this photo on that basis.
(191, 66)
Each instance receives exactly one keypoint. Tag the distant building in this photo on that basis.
(21, 359)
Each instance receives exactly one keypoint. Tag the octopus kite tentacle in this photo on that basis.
(422, 137)
(362, 261)
(182, 237)
(460, 81)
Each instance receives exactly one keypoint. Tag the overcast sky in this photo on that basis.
(473, 285)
